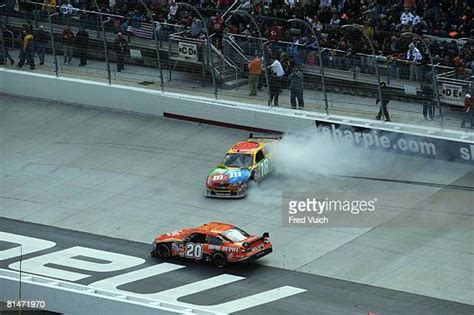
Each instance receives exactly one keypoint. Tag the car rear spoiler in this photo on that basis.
(265, 137)
(261, 238)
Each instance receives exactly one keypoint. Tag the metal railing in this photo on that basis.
(155, 46)
(225, 63)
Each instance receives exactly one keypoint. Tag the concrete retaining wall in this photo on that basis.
(69, 298)
(449, 145)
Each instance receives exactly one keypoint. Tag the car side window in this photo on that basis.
(197, 238)
(267, 149)
(213, 240)
(260, 156)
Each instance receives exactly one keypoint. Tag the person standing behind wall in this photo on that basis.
(27, 50)
(468, 115)
(296, 80)
(121, 48)
(384, 103)
(276, 80)
(255, 70)
(82, 44)
(5, 36)
(68, 40)
(42, 39)
(428, 105)
(415, 57)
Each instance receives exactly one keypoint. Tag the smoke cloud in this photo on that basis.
(304, 156)
(307, 161)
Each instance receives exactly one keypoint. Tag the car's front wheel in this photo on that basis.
(219, 259)
(163, 251)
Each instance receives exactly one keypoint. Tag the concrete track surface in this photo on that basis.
(132, 177)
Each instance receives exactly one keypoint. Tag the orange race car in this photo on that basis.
(214, 242)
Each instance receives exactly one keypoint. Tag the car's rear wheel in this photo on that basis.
(219, 259)
(163, 251)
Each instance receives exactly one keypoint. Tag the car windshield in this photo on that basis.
(235, 235)
(238, 160)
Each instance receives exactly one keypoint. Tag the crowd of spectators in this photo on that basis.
(383, 21)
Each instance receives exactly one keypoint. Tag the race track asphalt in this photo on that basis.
(323, 296)
(132, 177)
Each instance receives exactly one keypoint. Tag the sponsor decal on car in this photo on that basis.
(224, 248)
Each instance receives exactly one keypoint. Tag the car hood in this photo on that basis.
(228, 176)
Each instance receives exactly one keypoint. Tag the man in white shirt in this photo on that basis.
(406, 18)
(277, 68)
(276, 80)
(415, 57)
(416, 19)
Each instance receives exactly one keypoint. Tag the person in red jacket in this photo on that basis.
(67, 37)
(468, 115)
(275, 32)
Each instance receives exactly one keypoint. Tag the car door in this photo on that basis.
(194, 246)
(263, 165)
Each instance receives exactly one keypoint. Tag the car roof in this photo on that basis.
(214, 227)
(245, 147)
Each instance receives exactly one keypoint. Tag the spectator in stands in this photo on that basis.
(27, 50)
(324, 4)
(275, 32)
(217, 28)
(468, 57)
(67, 10)
(311, 59)
(335, 21)
(41, 40)
(186, 19)
(296, 82)
(415, 57)
(255, 70)
(173, 9)
(459, 69)
(121, 49)
(384, 103)
(406, 19)
(67, 37)
(82, 45)
(416, 19)
(468, 115)
(317, 25)
(428, 104)
(196, 28)
(343, 59)
(222, 5)
(276, 81)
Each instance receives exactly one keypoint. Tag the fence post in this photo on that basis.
(53, 45)
(155, 35)
(208, 43)
(320, 60)
(354, 74)
(104, 40)
(361, 29)
(4, 49)
(262, 49)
